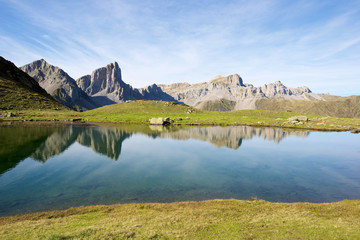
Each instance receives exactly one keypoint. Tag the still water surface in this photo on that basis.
(46, 168)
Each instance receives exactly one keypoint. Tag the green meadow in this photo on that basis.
(214, 219)
(139, 112)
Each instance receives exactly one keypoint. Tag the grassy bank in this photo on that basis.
(215, 219)
(140, 112)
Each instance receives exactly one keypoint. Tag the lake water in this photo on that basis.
(46, 168)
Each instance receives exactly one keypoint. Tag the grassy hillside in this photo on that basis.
(139, 112)
(215, 219)
(217, 105)
(334, 106)
(18, 91)
(142, 111)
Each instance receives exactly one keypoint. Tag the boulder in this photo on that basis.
(160, 121)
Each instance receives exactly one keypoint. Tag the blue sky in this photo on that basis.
(301, 43)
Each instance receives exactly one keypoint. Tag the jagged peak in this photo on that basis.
(40, 62)
(114, 65)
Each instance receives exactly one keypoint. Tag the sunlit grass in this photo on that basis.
(215, 219)
(139, 112)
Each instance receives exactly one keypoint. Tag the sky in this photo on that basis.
(298, 42)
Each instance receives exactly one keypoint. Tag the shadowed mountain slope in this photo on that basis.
(19, 91)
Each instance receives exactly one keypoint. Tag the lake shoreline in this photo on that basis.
(105, 123)
(220, 219)
(140, 112)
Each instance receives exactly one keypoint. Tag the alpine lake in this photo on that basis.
(60, 166)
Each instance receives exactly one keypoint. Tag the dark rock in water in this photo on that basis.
(356, 131)
(75, 119)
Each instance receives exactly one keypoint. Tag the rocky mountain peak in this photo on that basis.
(106, 85)
(58, 84)
(232, 80)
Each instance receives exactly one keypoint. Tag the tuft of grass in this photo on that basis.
(213, 219)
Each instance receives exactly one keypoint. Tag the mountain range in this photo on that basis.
(30, 86)
(105, 86)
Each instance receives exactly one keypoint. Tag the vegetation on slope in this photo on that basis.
(334, 106)
(215, 219)
(19, 91)
(139, 112)
(217, 105)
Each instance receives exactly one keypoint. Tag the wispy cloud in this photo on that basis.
(300, 43)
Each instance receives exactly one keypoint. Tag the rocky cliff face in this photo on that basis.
(233, 89)
(59, 84)
(106, 86)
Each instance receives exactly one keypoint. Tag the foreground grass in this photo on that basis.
(215, 219)
(140, 112)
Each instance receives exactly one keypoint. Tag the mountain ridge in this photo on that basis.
(59, 84)
(20, 91)
(232, 88)
(105, 86)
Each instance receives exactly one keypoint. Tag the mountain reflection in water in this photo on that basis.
(47, 142)
(49, 168)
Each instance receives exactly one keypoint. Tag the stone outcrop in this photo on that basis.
(232, 88)
(160, 121)
(154, 92)
(59, 84)
(106, 86)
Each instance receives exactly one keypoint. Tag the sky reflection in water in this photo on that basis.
(56, 168)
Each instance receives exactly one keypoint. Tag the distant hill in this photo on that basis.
(59, 84)
(19, 91)
(333, 106)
